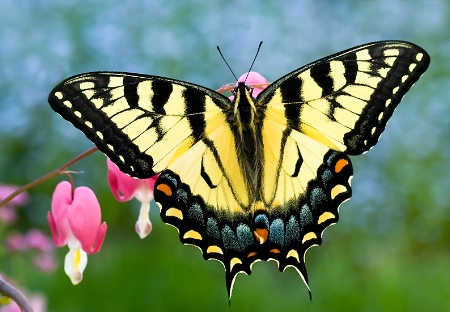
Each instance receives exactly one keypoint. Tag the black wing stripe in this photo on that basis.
(162, 90)
(195, 103)
(292, 94)
(130, 92)
(322, 76)
(351, 68)
(387, 95)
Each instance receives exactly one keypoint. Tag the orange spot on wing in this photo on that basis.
(340, 164)
(261, 235)
(275, 251)
(165, 189)
(251, 254)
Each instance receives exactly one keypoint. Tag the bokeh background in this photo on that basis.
(389, 252)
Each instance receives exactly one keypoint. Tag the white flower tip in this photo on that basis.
(76, 278)
(143, 225)
(74, 264)
(143, 228)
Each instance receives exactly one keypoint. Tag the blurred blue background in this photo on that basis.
(390, 250)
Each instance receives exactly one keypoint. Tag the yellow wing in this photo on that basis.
(346, 99)
(142, 123)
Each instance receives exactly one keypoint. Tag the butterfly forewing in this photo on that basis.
(142, 123)
(345, 100)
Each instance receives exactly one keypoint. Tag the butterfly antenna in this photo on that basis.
(251, 66)
(226, 63)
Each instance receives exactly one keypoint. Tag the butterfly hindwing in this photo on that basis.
(282, 230)
(253, 179)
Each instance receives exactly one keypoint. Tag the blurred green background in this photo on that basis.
(390, 250)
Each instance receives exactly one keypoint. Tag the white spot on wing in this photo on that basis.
(86, 85)
(383, 71)
(391, 52)
(373, 130)
(115, 82)
(390, 60)
(363, 55)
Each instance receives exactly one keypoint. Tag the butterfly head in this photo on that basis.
(244, 103)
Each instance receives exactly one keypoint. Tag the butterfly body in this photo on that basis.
(245, 122)
(253, 178)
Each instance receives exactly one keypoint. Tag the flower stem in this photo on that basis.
(48, 176)
(15, 294)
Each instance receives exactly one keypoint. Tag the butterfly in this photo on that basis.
(253, 178)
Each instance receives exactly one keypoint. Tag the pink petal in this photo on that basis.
(122, 186)
(59, 241)
(151, 182)
(255, 80)
(101, 234)
(57, 219)
(84, 217)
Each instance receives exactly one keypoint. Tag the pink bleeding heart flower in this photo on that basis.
(75, 221)
(254, 80)
(125, 188)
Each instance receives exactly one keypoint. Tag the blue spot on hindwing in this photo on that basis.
(329, 161)
(170, 178)
(261, 221)
(182, 196)
(212, 230)
(292, 231)
(306, 217)
(245, 236)
(326, 177)
(195, 213)
(276, 234)
(229, 239)
(318, 198)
